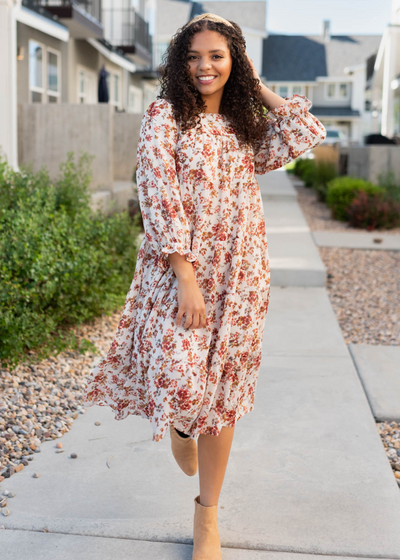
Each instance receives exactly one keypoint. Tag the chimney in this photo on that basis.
(326, 32)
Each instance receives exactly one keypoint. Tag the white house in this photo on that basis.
(331, 70)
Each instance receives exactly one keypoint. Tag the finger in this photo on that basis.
(188, 321)
(195, 321)
(179, 317)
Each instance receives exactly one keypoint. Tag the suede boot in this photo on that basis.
(185, 452)
(206, 543)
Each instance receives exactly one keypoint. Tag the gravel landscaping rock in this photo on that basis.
(390, 435)
(364, 289)
(40, 402)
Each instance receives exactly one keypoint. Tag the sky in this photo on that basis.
(305, 17)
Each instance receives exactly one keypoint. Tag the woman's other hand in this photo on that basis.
(190, 299)
(191, 304)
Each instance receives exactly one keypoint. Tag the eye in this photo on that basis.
(218, 55)
(191, 56)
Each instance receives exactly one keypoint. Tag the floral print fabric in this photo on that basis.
(199, 197)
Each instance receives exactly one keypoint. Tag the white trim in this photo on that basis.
(334, 79)
(33, 88)
(270, 83)
(112, 73)
(50, 92)
(259, 33)
(354, 68)
(381, 50)
(45, 25)
(91, 75)
(337, 96)
(137, 91)
(111, 56)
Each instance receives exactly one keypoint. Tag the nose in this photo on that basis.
(204, 64)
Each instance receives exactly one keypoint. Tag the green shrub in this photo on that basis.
(305, 169)
(391, 186)
(325, 172)
(372, 211)
(343, 190)
(61, 264)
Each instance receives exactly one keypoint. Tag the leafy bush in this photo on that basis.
(325, 172)
(305, 169)
(61, 264)
(391, 186)
(343, 190)
(371, 211)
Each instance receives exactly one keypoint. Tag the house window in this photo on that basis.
(135, 100)
(298, 90)
(44, 73)
(87, 86)
(53, 76)
(331, 90)
(343, 90)
(283, 91)
(36, 70)
(114, 80)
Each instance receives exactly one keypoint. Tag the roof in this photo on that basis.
(172, 14)
(306, 57)
(334, 112)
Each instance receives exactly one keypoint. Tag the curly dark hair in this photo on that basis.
(241, 99)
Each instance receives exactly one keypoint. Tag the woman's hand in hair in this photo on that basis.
(255, 73)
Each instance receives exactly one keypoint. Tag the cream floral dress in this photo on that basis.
(198, 196)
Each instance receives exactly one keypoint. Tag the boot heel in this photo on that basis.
(206, 541)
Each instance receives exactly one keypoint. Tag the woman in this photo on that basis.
(188, 347)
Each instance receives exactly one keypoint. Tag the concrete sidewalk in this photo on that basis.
(308, 476)
(294, 258)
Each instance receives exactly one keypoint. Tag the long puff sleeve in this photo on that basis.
(291, 130)
(165, 223)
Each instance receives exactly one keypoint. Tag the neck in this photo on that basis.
(213, 102)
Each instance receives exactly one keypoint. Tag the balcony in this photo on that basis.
(126, 29)
(83, 18)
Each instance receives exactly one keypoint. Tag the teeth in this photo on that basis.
(207, 79)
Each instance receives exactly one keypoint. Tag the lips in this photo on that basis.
(206, 79)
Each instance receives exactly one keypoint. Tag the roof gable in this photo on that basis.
(304, 58)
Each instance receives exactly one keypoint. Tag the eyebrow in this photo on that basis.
(213, 51)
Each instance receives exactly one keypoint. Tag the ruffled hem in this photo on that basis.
(159, 434)
(177, 248)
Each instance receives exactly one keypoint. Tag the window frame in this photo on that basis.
(337, 86)
(290, 87)
(88, 73)
(36, 89)
(45, 92)
(112, 73)
(50, 92)
(137, 91)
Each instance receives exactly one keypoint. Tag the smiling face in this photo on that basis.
(210, 64)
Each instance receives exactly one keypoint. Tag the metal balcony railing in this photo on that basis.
(90, 7)
(125, 28)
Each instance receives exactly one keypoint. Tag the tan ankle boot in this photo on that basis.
(206, 543)
(185, 452)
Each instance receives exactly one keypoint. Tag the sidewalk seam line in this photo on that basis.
(256, 549)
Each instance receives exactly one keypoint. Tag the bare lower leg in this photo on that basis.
(213, 452)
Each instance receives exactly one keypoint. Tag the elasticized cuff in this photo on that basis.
(297, 104)
(178, 248)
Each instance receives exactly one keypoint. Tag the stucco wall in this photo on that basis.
(368, 162)
(46, 133)
(126, 136)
